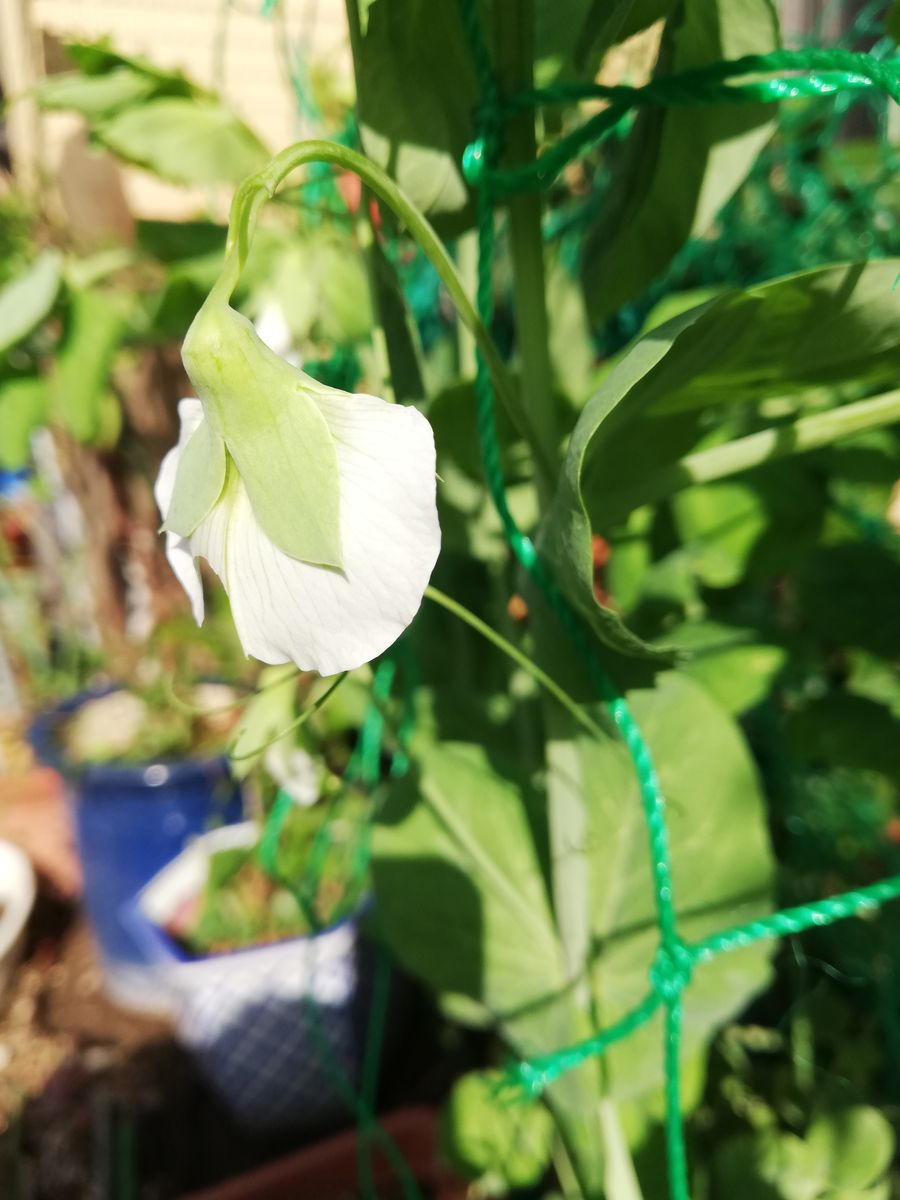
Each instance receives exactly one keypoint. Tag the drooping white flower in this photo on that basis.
(316, 508)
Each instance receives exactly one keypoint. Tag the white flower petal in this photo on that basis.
(272, 329)
(181, 560)
(323, 619)
(178, 549)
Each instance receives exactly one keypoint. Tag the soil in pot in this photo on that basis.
(132, 728)
(312, 882)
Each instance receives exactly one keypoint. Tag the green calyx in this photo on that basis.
(263, 412)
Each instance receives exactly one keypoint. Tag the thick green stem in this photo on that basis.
(514, 55)
(253, 193)
(575, 1104)
(720, 462)
(467, 258)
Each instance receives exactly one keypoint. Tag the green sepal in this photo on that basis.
(199, 482)
(265, 411)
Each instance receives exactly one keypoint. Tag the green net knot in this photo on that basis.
(672, 968)
(482, 153)
(475, 162)
(522, 1082)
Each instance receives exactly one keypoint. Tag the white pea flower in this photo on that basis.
(316, 508)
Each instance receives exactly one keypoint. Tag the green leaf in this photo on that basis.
(565, 537)
(571, 348)
(753, 526)
(187, 284)
(892, 21)
(26, 301)
(171, 241)
(722, 870)
(416, 95)
(459, 882)
(730, 662)
(23, 408)
(95, 97)
(460, 876)
(341, 288)
(777, 339)
(93, 333)
(608, 23)
(483, 1134)
(824, 327)
(858, 1144)
(99, 58)
(679, 165)
(266, 412)
(190, 141)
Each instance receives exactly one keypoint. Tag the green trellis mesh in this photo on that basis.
(826, 73)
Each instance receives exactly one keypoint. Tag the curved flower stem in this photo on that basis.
(594, 728)
(301, 720)
(255, 191)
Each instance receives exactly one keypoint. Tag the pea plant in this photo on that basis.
(660, 582)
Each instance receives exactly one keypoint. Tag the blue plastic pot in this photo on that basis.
(130, 822)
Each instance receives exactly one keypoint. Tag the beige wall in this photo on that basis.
(222, 45)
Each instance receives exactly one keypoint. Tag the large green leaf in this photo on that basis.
(99, 58)
(565, 539)
(93, 332)
(823, 327)
(26, 301)
(460, 883)
(96, 97)
(722, 869)
(607, 23)
(732, 663)
(23, 408)
(460, 865)
(190, 141)
(416, 96)
(679, 165)
(460, 861)
(753, 526)
(833, 325)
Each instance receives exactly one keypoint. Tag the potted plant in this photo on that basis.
(144, 777)
(254, 929)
